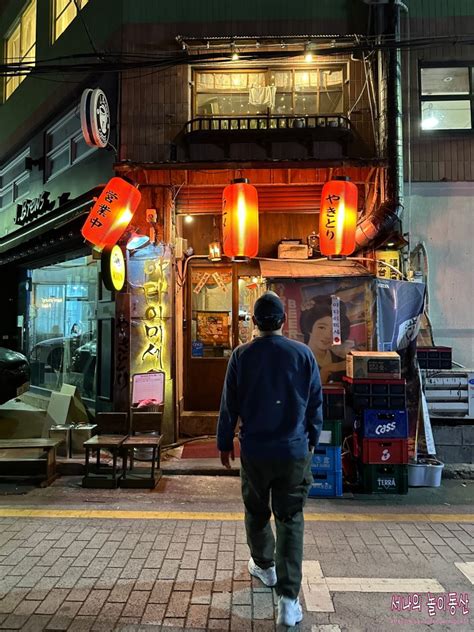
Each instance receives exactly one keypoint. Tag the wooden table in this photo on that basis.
(113, 443)
(16, 467)
(148, 481)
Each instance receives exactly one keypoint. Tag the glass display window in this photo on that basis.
(62, 325)
(280, 91)
(211, 320)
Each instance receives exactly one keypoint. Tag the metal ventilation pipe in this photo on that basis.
(384, 217)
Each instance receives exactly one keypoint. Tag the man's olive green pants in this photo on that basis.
(287, 484)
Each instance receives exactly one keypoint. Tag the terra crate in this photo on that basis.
(385, 424)
(385, 479)
(331, 434)
(386, 451)
(327, 457)
(326, 483)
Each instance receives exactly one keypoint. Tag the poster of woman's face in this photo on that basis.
(332, 316)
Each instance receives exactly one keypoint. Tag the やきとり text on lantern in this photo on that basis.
(240, 220)
(111, 213)
(338, 217)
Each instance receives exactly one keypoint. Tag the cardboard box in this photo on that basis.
(373, 364)
(292, 251)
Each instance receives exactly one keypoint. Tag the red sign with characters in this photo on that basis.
(111, 214)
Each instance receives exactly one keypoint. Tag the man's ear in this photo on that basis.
(284, 319)
(254, 321)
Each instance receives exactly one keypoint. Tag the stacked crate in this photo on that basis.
(326, 465)
(381, 423)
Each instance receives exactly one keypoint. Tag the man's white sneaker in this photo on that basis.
(289, 611)
(266, 575)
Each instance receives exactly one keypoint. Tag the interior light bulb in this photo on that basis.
(188, 219)
(308, 57)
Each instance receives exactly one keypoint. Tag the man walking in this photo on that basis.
(273, 386)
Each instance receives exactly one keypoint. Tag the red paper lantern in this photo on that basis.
(111, 214)
(338, 217)
(240, 220)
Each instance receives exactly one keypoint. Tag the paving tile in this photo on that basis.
(154, 613)
(78, 594)
(14, 622)
(202, 591)
(206, 569)
(9, 603)
(54, 599)
(121, 591)
(241, 619)
(220, 605)
(81, 624)
(94, 602)
(223, 581)
(169, 569)
(456, 545)
(132, 569)
(178, 605)
(136, 603)
(209, 551)
(241, 593)
(219, 625)
(190, 559)
(154, 559)
(225, 560)
(177, 624)
(194, 543)
(107, 618)
(64, 616)
(146, 579)
(26, 607)
(161, 591)
(263, 605)
(197, 616)
(185, 579)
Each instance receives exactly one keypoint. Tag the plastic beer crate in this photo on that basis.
(385, 424)
(327, 457)
(385, 479)
(326, 484)
(385, 451)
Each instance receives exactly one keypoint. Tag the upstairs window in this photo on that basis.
(20, 45)
(14, 181)
(447, 97)
(65, 145)
(270, 90)
(64, 13)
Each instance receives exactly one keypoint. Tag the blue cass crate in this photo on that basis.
(327, 457)
(385, 424)
(326, 483)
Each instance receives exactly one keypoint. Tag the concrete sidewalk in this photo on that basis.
(74, 559)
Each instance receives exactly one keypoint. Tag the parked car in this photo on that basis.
(14, 374)
(50, 353)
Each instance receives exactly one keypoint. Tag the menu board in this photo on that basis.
(148, 386)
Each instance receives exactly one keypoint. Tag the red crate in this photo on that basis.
(387, 451)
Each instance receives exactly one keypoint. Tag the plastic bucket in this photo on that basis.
(425, 474)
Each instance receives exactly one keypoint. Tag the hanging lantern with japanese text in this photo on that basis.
(111, 213)
(338, 217)
(240, 220)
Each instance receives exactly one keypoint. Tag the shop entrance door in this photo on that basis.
(218, 318)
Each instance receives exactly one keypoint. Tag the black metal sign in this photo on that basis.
(29, 210)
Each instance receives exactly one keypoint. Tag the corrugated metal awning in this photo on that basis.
(274, 198)
(273, 269)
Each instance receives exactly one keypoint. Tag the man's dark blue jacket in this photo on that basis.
(273, 385)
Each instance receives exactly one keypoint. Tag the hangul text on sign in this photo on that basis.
(336, 319)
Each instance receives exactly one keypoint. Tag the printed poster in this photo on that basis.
(310, 307)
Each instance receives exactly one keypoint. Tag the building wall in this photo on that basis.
(436, 156)
(441, 217)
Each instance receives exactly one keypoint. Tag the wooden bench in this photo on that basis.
(18, 467)
(113, 430)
